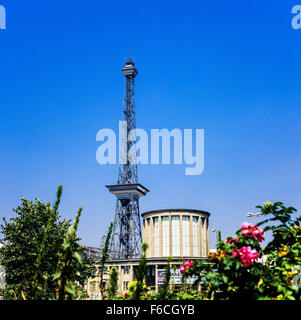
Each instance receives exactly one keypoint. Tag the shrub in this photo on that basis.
(242, 269)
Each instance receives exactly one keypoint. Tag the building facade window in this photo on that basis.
(175, 231)
(125, 285)
(150, 271)
(195, 236)
(186, 242)
(165, 236)
(156, 231)
(126, 270)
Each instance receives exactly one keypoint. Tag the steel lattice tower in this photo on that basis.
(126, 235)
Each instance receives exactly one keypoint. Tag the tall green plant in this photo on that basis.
(70, 272)
(113, 283)
(163, 291)
(37, 287)
(141, 273)
(105, 255)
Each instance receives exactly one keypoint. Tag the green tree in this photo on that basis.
(104, 257)
(113, 283)
(32, 250)
(22, 237)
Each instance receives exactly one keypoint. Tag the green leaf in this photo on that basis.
(56, 275)
(78, 257)
(225, 278)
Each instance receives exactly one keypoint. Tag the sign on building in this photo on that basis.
(175, 277)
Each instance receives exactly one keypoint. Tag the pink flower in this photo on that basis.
(245, 232)
(246, 254)
(182, 269)
(188, 264)
(246, 225)
(247, 229)
(249, 253)
(258, 235)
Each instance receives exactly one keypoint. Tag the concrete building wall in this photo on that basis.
(177, 232)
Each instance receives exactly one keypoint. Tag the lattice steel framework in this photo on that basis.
(126, 237)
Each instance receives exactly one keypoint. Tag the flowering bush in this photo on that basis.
(186, 265)
(242, 269)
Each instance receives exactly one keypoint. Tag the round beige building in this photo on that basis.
(180, 233)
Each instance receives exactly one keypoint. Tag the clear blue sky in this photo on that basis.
(229, 67)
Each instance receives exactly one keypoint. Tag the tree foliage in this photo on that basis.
(37, 248)
(113, 283)
(104, 257)
(243, 269)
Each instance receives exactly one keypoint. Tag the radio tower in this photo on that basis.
(126, 236)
